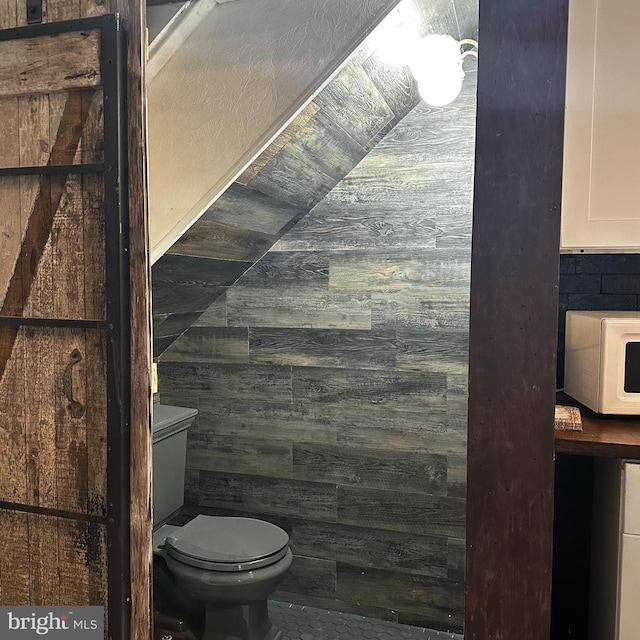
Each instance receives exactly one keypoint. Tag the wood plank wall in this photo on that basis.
(331, 381)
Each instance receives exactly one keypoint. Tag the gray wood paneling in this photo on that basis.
(295, 129)
(406, 432)
(216, 313)
(295, 308)
(290, 422)
(325, 146)
(433, 350)
(238, 454)
(302, 184)
(432, 602)
(456, 559)
(397, 85)
(322, 348)
(354, 103)
(310, 576)
(365, 547)
(371, 468)
(260, 494)
(386, 388)
(210, 344)
(339, 225)
(281, 269)
(235, 382)
(249, 209)
(393, 270)
(401, 511)
(211, 239)
(457, 476)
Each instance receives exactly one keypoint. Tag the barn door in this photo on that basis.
(64, 319)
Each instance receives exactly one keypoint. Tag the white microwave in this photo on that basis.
(602, 360)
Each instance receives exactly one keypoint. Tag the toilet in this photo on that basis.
(215, 570)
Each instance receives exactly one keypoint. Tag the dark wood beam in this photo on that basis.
(514, 298)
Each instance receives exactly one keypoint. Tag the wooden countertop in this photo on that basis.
(617, 437)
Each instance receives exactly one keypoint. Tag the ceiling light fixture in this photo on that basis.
(437, 67)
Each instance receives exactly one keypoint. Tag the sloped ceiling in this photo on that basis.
(321, 146)
(234, 75)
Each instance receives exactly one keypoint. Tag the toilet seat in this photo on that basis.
(219, 543)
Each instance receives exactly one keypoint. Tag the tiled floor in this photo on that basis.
(306, 623)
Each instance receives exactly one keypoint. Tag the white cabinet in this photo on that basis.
(601, 176)
(614, 613)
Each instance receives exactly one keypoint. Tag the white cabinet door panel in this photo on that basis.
(601, 179)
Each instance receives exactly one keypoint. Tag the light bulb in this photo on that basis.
(439, 91)
(437, 68)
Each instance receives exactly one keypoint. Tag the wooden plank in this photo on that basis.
(14, 561)
(456, 558)
(396, 85)
(44, 580)
(366, 547)
(226, 242)
(35, 141)
(457, 476)
(71, 467)
(284, 178)
(40, 416)
(326, 146)
(395, 269)
(184, 283)
(66, 61)
(512, 382)
(90, 8)
(94, 270)
(11, 221)
(231, 382)
(275, 422)
(13, 482)
(280, 496)
(8, 14)
(96, 422)
(401, 431)
(377, 387)
(433, 350)
(210, 344)
(292, 307)
(310, 577)
(63, 10)
(341, 348)
(253, 210)
(353, 102)
(292, 130)
(342, 223)
(288, 269)
(140, 625)
(67, 249)
(77, 554)
(239, 454)
(371, 468)
(402, 511)
(431, 602)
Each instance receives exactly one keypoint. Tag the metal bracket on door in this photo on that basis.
(34, 11)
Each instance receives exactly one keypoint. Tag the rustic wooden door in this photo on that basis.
(65, 386)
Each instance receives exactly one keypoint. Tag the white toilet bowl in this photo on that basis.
(231, 565)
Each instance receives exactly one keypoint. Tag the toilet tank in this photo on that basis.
(170, 426)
